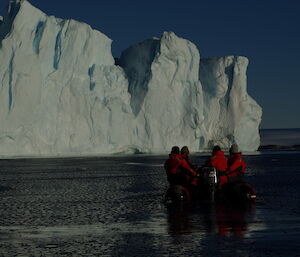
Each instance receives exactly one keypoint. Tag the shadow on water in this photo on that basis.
(222, 219)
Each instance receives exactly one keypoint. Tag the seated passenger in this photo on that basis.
(185, 155)
(235, 166)
(217, 159)
(178, 170)
(219, 162)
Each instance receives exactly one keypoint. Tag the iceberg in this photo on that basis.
(231, 115)
(63, 94)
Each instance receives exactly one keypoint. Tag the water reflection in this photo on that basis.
(226, 220)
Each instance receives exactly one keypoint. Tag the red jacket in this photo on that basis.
(176, 161)
(218, 160)
(187, 159)
(236, 166)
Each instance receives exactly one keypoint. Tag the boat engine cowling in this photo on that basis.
(210, 180)
(210, 176)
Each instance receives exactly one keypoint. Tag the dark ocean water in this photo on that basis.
(284, 137)
(112, 206)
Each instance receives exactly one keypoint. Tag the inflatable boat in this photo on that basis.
(208, 190)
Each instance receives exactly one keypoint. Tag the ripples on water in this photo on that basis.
(112, 206)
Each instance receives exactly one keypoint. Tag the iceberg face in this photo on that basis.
(60, 90)
(62, 94)
(166, 91)
(231, 115)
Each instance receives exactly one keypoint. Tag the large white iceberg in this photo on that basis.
(61, 93)
(231, 115)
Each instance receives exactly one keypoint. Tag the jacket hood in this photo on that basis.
(184, 156)
(236, 155)
(218, 153)
(175, 156)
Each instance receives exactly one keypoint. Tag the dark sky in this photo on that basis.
(267, 32)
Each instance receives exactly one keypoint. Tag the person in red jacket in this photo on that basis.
(217, 159)
(185, 155)
(236, 166)
(219, 162)
(178, 170)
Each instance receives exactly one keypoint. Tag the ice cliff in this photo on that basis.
(62, 94)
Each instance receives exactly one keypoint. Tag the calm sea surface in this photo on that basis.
(112, 206)
(285, 137)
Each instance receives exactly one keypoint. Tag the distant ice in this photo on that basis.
(284, 137)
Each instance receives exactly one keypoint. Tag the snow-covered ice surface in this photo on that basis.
(112, 206)
(61, 93)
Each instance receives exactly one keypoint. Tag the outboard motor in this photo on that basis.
(211, 181)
